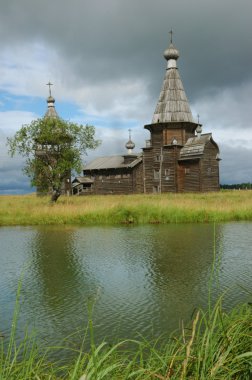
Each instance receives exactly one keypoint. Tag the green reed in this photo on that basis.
(217, 345)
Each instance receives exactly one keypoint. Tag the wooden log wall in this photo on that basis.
(170, 134)
(137, 173)
(190, 176)
(159, 164)
(210, 169)
(117, 181)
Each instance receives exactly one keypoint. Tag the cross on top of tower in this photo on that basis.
(171, 33)
(49, 84)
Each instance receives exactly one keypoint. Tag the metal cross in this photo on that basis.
(129, 133)
(198, 118)
(49, 84)
(171, 32)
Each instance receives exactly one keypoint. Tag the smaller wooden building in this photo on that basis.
(177, 157)
(113, 175)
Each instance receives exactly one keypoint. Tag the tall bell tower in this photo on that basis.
(173, 128)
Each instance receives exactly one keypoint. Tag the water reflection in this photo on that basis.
(55, 286)
(142, 279)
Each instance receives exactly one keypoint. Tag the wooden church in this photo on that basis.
(177, 157)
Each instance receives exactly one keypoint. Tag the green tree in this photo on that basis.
(52, 148)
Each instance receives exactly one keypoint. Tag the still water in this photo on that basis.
(141, 280)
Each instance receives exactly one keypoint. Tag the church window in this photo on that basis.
(187, 170)
(167, 172)
(156, 174)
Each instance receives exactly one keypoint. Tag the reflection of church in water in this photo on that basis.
(177, 158)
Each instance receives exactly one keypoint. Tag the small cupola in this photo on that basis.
(171, 54)
(130, 145)
(51, 111)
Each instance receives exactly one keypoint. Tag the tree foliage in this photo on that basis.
(237, 186)
(52, 148)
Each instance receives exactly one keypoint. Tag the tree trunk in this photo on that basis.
(55, 195)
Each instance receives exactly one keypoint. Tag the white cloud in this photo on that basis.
(26, 69)
(127, 99)
(11, 121)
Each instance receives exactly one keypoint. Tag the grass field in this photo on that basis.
(120, 209)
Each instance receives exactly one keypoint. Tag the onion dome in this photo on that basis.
(171, 52)
(130, 145)
(199, 129)
(50, 99)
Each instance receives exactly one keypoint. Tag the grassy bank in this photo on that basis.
(118, 209)
(216, 346)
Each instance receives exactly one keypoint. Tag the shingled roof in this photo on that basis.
(112, 162)
(82, 180)
(194, 147)
(172, 104)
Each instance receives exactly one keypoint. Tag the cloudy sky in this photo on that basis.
(105, 59)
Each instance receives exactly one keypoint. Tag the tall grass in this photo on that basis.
(217, 345)
(127, 209)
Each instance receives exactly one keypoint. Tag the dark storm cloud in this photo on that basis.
(235, 166)
(100, 40)
(12, 179)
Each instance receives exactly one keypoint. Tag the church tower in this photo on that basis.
(175, 159)
(47, 151)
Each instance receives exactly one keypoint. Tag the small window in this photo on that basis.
(157, 158)
(100, 176)
(156, 174)
(209, 171)
(187, 170)
(167, 172)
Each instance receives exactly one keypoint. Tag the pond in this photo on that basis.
(140, 280)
